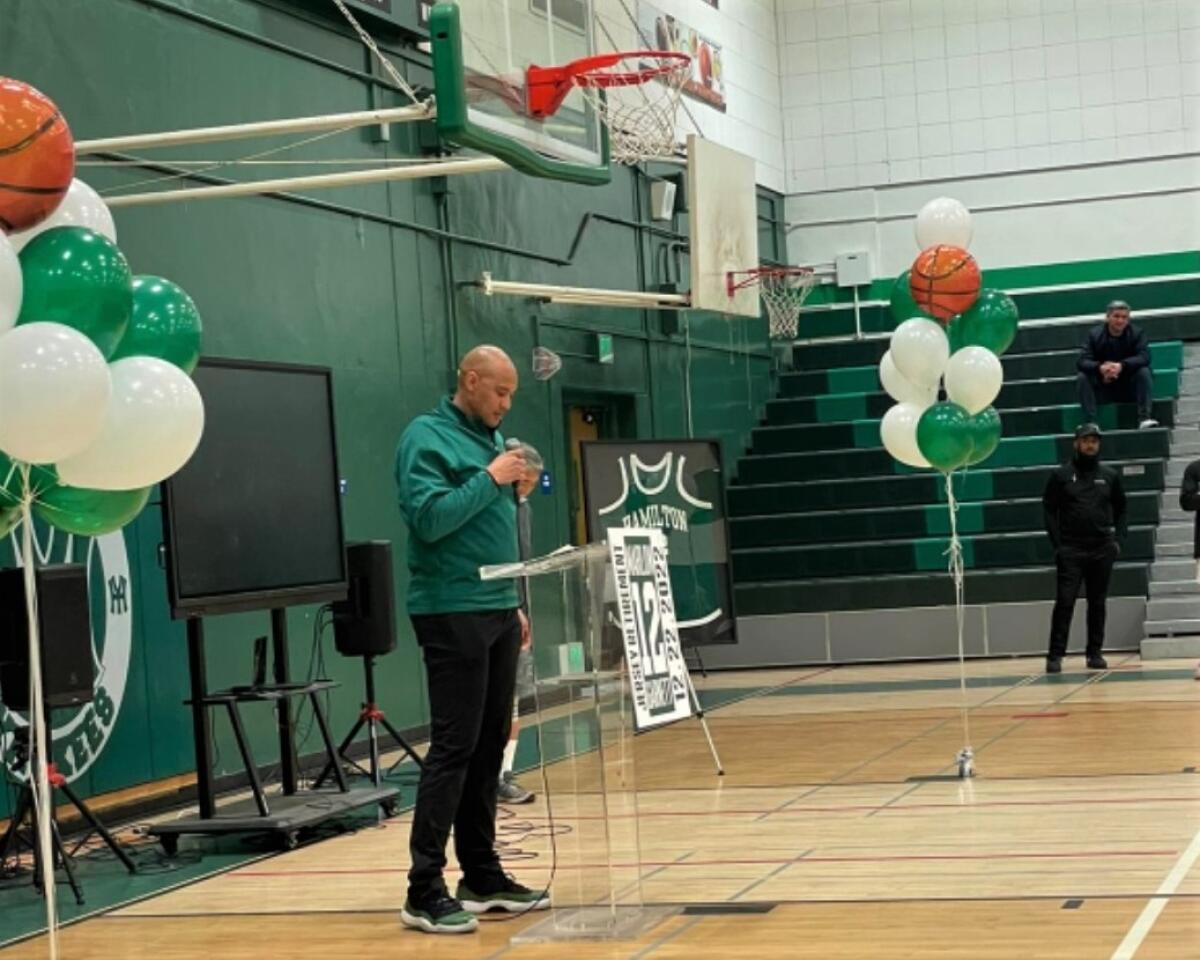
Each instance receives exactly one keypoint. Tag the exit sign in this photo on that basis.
(604, 348)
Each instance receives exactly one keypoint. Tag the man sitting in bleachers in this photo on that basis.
(1114, 366)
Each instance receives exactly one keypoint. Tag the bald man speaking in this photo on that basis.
(455, 483)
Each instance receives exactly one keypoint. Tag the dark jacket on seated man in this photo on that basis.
(1114, 366)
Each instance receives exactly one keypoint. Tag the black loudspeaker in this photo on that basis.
(65, 630)
(364, 624)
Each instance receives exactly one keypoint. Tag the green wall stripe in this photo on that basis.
(1011, 279)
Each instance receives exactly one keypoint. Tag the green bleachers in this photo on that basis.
(918, 590)
(907, 523)
(803, 437)
(822, 518)
(1184, 325)
(1050, 365)
(772, 499)
(1012, 452)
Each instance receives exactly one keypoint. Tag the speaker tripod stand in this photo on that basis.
(372, 717)
(26, 808)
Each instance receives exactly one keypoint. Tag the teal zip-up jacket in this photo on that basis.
(458, 519)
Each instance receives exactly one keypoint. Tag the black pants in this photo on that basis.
(1092, 565)
(471, 668)
(1137, 386)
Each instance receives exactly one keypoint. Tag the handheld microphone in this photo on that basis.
(512, 443)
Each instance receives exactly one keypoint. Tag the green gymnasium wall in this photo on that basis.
(361, 279)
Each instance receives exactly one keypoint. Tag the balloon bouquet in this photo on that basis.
(951, 334)
(96, 400)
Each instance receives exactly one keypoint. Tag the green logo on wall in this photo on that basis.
(80, 733)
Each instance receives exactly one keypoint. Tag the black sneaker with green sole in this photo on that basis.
(438, 912)
(501, 892)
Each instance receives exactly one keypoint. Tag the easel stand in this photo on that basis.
(373, 717)
(26, 809)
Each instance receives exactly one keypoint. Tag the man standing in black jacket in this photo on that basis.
(1114, 366)
(1189, 499)
(1084, 507)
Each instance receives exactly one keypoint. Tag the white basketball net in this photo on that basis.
(640, 117)
(783, 293)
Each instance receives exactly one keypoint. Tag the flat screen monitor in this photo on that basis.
(254, 521)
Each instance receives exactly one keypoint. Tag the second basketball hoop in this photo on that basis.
(783, 291)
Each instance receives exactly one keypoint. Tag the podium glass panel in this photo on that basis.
(586, 734)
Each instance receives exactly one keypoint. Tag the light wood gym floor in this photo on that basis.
(830, 836)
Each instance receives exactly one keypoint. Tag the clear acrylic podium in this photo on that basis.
(586, 733)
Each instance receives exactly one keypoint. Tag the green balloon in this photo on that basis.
(9, 518)
(89, 513)
(85, 513)
(985, 430)
(165, 324)
(11, 486)
(76, 277)
(944, 436)
(904, 307)
(990, 322)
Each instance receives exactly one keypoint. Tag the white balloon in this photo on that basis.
(81, 206)
(900, 388)
(898, 430)
(54, 392)
(944, 220)
(152, 429)
(11, 285)
(920, 351)
(973, 378)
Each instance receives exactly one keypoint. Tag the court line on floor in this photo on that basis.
(1025, 680)
(885, 806)
(783, 901)
(1151, 912)
(755, 861)
(667, 938)
(774, 873)
(1014, 727)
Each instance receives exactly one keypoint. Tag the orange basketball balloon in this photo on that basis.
(944, 281)
(37, 156)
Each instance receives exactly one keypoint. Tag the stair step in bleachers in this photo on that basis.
(928, 589)
(1030, 339)
(1044, 366)
(1019, 549)
(982, 483)
(1175, 533)
(907, 523)
(1011, 452)
(801, 437)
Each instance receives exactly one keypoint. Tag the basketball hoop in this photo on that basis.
(783, 290)
(641, 121)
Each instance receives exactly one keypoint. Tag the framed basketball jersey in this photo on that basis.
(676, 486)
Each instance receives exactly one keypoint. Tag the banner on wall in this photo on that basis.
(665, 32)
(678, 487)
(658, 679)
(81, 733)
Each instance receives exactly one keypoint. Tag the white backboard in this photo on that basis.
(723, 219)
